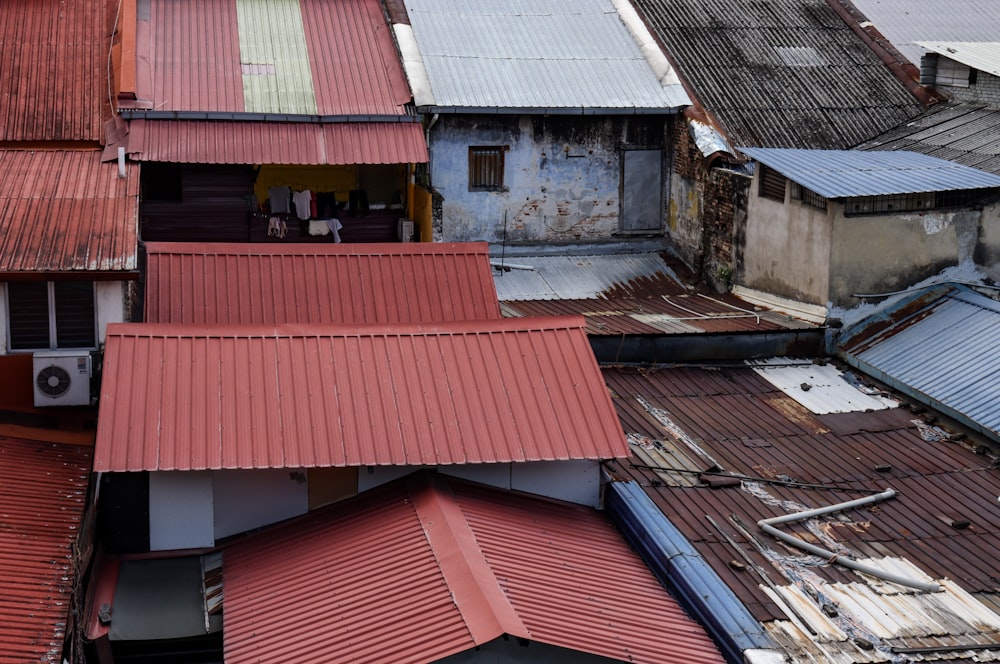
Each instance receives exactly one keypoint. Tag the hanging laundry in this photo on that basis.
(318, 227)
(279, 199)
(335, 226)
(276, 227)
(303, 204)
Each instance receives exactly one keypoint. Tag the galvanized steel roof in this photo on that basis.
(191, 397)
(940, 346)
(429, 567)
(361, 283)
(984, 56)
(904, 23)
(847, 173)
(718, 448)
(54, 75)
(964, 133)
(556, 56)
(782, 73)
(65, 211)
(43, 493)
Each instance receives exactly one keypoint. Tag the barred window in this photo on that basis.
(772, 184)
(486, 168)
(57, 314)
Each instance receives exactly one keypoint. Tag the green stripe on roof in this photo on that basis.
(274, 57)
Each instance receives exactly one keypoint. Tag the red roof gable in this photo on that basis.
(43, 492)
(190, 397)
(65, 211)
(357, 283)
(428, 567)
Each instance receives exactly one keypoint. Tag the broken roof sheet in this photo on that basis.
(552, 56)
(54, 73)
(429, 567)
(718, 448)
(65, 211)
(847, 173)
(782, 73)
(357, 283)
(938, 346)
(984, 56)
(961, 132)
(904, 23)
(43, 492)
(195, 397)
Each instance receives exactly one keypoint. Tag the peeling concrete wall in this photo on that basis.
(561, 174)
(684, 213)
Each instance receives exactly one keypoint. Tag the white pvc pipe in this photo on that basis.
(767, 525)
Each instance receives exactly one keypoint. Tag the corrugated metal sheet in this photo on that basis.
(984, 56)
(846, 173)
(942, 346)
(427, 567)
(964, 133)
(269, 56)
(834, 94)
(361, 283)
(822, 388)
(65, 211)
(904, 24)
(222, 142)
(178, 397)
(785, 459)
(54, 73)
(43, 491)
(533, 55)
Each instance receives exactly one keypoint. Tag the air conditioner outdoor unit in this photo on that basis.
(405, 230)
(62, 378)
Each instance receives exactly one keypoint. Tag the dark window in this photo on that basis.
(51, 315)
(772, 184)
(486, 168)
(162, 182)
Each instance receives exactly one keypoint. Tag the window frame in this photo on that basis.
(52, 306)
(484, 175)
(769, 182)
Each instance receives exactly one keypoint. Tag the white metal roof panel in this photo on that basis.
(847, 173)
(543, 55)
(822, 388)
(984, 56)
(574, 277)
(946, 351)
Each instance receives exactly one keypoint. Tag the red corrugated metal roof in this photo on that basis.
(187, 397)
(224, 142)
(54, 73)
(43, 490)
(193, 51)
(360, 283)
(64, 210)
(429, 567)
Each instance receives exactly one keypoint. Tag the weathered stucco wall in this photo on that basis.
(785, 249)
(876, 254)
(562, 176)
(684, 213)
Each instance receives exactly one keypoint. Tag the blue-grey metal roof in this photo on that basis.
(847, 173)
(554, 56)
(940, 347)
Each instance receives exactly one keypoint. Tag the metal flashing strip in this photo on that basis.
(226, 116)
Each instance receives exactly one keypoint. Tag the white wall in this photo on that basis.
(180, 510)
(109, 296)
(248, 499)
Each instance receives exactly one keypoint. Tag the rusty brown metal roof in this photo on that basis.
(54, 73)
(718, 448)
(65, 211)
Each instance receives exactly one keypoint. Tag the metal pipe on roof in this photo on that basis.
(767, 525)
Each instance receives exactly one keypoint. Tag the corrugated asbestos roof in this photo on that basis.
(846, 173)
(717, 448)
(984, 56)
(270, 82)
(241, 142)
(54, 74)
(43, 492)
(964, 133)
(904, 23)
(261, 284)
(941, 345)
(65, 211)
(624, 294)
(782, 73)
(536, 55)
(190, 397)
(429, 567)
